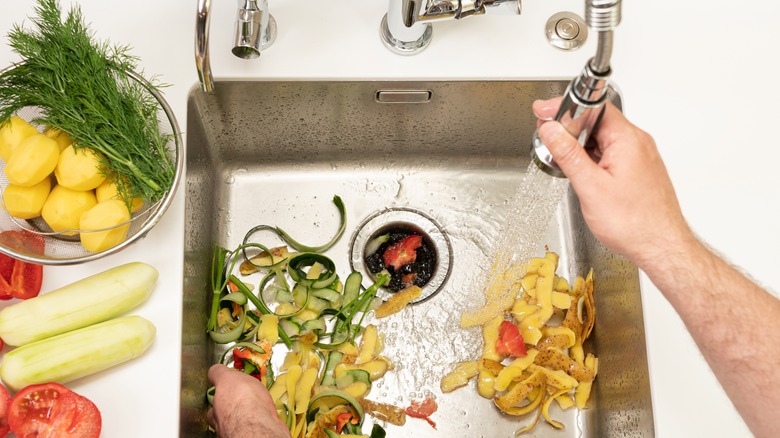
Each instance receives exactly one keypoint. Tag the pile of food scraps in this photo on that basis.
(533, 352)
(290, 301)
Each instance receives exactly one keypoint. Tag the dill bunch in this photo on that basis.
(83, 87)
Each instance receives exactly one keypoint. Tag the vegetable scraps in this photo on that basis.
(331, 358)
(530, 357)
(85, 88)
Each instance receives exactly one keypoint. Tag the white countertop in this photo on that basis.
(700, 80)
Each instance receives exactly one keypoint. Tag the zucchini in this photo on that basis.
(93, 299)
(351, 376)
(334, 358)
(79, 353)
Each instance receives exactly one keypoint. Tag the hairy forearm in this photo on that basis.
(735, 323)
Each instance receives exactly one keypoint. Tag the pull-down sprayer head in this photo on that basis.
(584, 98)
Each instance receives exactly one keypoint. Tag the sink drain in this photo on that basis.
(406, 243)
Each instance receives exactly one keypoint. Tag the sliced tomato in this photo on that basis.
(510, 341)
(6, 269)
(50, 410)
(402, 252)
(5, 400)
(20, 279)
(26, 280)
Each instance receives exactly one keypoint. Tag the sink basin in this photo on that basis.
(449, 154)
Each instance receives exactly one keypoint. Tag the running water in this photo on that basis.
(529, 214)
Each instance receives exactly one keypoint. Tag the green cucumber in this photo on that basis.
(351, 376)
(334, 358)
(289, 328)
(78, 353)
(94, 299)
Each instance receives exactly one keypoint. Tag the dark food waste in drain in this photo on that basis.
(406, 255)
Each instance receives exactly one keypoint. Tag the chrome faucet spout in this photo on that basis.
(255, 31)
(584, 99)
(406, 28)
(202, 62)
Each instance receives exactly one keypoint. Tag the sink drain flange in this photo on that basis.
(417, 223)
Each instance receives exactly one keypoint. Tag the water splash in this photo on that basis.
(529, 214)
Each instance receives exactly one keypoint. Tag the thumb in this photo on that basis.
(568, 153)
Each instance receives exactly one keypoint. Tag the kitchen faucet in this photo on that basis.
(406, 28)
(255, 31)
(586, 95)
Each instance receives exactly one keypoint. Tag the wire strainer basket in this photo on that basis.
(64, 247)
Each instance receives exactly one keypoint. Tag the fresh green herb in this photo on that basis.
(86, 88)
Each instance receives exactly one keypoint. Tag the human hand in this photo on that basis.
(626, 196)
(242, 406)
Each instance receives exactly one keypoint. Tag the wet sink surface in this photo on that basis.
(277, 152)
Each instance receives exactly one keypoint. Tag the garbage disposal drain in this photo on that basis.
(407, 244)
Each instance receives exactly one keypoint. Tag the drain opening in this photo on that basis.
(407, 244)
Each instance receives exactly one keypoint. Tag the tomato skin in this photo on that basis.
(5, 400)
(510, 341)
(50, 410)
(423, 409)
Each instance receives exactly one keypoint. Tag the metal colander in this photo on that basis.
(64, 248)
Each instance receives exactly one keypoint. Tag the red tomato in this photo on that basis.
(510, 341)
(6, 269)
(5, 399)
(50, 410)
(20, 279)
(26, 280)
(402, 252)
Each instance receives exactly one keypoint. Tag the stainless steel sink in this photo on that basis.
(452, 152)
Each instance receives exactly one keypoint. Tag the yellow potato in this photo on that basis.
(63, 208)
(107, 190)
(62, 138)
(106, 214)
(79, 169)
(32, 160)
(12, 133)
(26, 202)
(459, 376)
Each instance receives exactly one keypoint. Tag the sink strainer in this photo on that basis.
(402, 221)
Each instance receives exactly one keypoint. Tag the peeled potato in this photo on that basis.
(32, 160)
(26, 202)
(64, 207)
(106, 214)
(12, 133)
(79, 169)
(62, 138)
(107, 190)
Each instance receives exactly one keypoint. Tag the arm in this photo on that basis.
(242, 406)
(630, 205)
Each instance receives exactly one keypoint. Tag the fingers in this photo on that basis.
(212, 420)
(570, 156)
(547, 109)
(216, 373)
